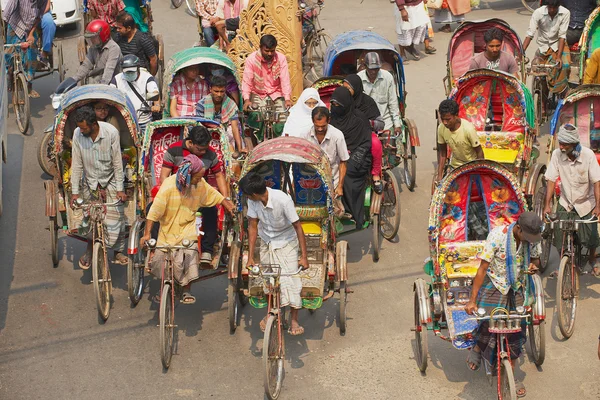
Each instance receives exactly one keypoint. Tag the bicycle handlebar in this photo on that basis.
(80, 204)
(185, 245)
(554, 218)
(258, 270)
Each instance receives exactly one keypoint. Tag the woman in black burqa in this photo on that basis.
(357, 133)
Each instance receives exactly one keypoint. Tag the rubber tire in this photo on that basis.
(376, 240)
(388, 176)
(45, 161)
(166, 324)
(191, 8)
(410, 166)
(538, 353)
(343, 302)
(271, 339)
(176, 3)
(528, 5)
(54, 240)
(508, 386)
(232, 304)
(23, 117)
(421, 349)
(135, 281)
(61, 63)
(538, 207)
(564, 271)
(99, 267)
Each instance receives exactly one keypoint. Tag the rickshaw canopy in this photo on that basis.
(579, 107)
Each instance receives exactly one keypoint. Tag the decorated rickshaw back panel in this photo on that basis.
(585, 115)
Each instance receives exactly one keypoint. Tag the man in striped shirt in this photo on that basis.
(97, 175)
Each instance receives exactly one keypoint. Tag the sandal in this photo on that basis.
(296, 332)
(596, 270)
(474, 358)
(187, 298)
(121, 259)
(85, 261)
(521, 391)
(430, 50)
(33, 94)
(263, 324)
(378, 186)
(553, 275)
(446, 28)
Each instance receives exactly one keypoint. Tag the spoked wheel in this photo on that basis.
(191, 8)
(343, 299)
(390, 206)
(531, 5)
(273, 357)
(81, 48)
(20, 99)
(341, 260)
(176, 3)
(161, 61)
(376, 241)
(537, 340)
(61, 63)
(135, 267)
(507, 389)
(315, 53)
(567, 291)
(420, 336)
(167, 325)
(101, 277)
(45, 155)
(54, 240)
(410, 166)
(233, 294)
(538, 207)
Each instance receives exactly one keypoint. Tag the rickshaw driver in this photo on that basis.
(102, 177)
(197, 143)
(551, 23)
(493, 57)
(580, 189)
(510, 254)
(266, 75)
(103, 59)
(272, 216)
(460, 135)
(174, 208)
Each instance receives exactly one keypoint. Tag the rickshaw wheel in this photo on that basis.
(566, 297)
(273, 357)
(54, 240)
(507, 389)
(176, 3)
(161, 62)
(167, 326)
(376, 241)
(341, 254)
(531, 5)
(390, 206)
(410, 166)
(538, 208)
(81, 49)
(101, 279)
(20, 99)
(44, 155)
(191, 7)
(420, 336)
(232, 304)
(135, 267)
(61, 63)
(537, 341)
(343, 299)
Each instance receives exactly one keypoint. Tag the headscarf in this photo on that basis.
(350, 121)
(299, 122)
(568, 134)
(362, 101)
(191, 165)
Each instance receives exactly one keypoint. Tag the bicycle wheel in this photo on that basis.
(135, 266)
(101, 279)
(317, 47)
(537, 340)
(390, 206)
(167, 326)
(547, 235)
(343, 299)
(191, 8)
(420, 336)
(507, 389)
(273, 355)
(54, 240)
(376, 241)
(176, 3)
(410, 166)
(531, 5)
(232, 304)
(21, 103)
(566, 296)
(45, 155)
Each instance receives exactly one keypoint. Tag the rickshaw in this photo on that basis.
(141, 11)
(346, 54)
(500, 108)
(467, 41)
(302, 170)
(456, 237)
(590, 41)
(61, 214)
(157, 138)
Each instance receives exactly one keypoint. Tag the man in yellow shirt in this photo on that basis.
(460, 135)
(174, 207)
(592, 70)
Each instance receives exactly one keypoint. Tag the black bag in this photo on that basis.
(155, 115)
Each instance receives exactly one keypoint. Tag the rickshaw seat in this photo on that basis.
(502, 147)
(460, 260)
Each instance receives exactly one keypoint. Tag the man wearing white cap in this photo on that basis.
(580, 188)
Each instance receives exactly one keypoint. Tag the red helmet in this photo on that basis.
(98, 30)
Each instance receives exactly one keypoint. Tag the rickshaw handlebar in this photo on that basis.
(554, 218)
(259, 270)
(152, 246)
(80, 204)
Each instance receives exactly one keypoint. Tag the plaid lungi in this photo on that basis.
(558, 81)
(587, 233)
(285, 257)
(185, 265)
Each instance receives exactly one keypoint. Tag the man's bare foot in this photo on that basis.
(296, 329)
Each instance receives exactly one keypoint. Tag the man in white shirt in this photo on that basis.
(139, 85)
(579, 172)
(332, 142)
(227, 18)
(551, 23)
(272, 216)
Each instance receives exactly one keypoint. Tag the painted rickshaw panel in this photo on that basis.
(590, 40)
(467, 41)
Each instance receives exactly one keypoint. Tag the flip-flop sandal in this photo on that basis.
(430, 50)
(33, 94)
(520, 387)
(296, 332)
(553, 275)
(84, 261)
(187, 298)
(474, 357)
(123, 260)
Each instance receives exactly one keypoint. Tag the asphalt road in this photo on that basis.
(53, 347)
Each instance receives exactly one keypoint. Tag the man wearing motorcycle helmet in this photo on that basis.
(103, 57)
(139, 85)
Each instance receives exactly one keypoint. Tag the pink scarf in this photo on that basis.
(227, 9)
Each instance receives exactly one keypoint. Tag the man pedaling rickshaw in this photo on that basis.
(266, 76)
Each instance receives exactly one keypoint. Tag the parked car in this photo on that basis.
(65, 12)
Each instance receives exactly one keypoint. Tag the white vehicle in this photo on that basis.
(65, 12)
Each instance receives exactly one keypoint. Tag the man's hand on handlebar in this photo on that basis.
(228, 205)
(143, 241)
(288, 104)
(74, 198)
(247, 104)
(122, 196)
(303, 263)
(471, 307)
